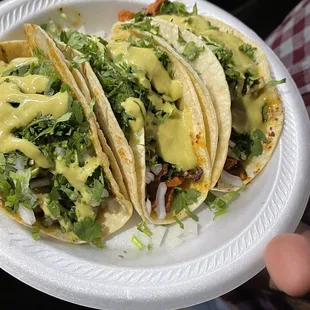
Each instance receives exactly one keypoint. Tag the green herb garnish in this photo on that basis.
(136, 242)
(192, 51)
(248, 50)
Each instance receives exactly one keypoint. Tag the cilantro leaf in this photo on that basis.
(174, 8)
(185, 199)
(50, 129)
(179, 222)
(54, 208)
(77, 112)
(191, 50)
(98, 191)
(211, 27)
(258, 137)
(98, 243)
(191, 214)
(224, 55)
(195, 10)
(144, 24)
(35, 233)
(79, 59)
(248, 145)
(181, 40)
(248, 50)
(251, 80)
(87, 229)
(275, 82)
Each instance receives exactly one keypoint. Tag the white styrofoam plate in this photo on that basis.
(225, 253)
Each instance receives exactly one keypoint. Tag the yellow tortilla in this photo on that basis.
(207, 72)
(190, 102)
(275, 121)
(114, 212)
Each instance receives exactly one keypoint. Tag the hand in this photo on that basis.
(287, 258)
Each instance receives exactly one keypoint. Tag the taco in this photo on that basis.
(149, 110)
(256, 109)
(54, 175)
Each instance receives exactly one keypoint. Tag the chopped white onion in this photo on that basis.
(143, 238)
(156, 169)
(26, 215)
(82, 29)
(160, 198)
(190, 227)
(158, 236)
(148, 206)
(232, 144)
(172, 241)
(230, 153)
(228, 178)
(149, 176)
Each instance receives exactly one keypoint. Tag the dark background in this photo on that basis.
(263, 16)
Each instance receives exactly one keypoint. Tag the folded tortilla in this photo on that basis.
(155, 127)
(236, 72)
(55, 176)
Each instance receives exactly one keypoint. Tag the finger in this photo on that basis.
(287, 258)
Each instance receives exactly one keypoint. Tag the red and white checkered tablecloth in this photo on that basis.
(291, 42)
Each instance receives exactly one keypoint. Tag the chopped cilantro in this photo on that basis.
(248, 145)
(191, 214)
(54, 208)
(174, 8)
(179, 222)
(98, 243)
(195, 9)
(149, 247)
(258, 137)
(144, 24)
(87, 229)
(275, 82)
(250, 81)
(224, 55)
(211, 27)
(191, 50)
(35, 232)
(185, 199)
(181, 40)
(248, 50)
